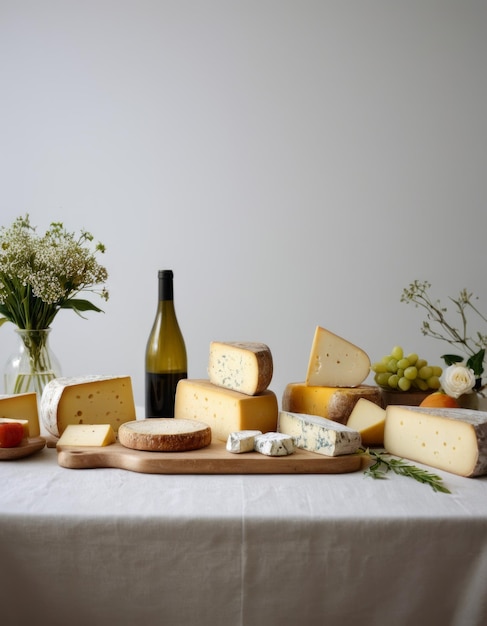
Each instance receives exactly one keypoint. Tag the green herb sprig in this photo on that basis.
(384, 463)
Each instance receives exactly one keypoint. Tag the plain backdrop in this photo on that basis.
(296, 163)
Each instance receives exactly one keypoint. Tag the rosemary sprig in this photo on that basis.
(384, 463)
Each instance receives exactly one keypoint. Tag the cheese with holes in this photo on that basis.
(242, 366)
(22, 406)
(274, 444)
(454, 440)
(242, 441)
(23, 423)
(369, 420)
(165, 435)
(334, 403)
(317, 434)
(87, 435)
(335, 362)
(87, 400)
(223, 409)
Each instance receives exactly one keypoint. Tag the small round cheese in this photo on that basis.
(165, 434)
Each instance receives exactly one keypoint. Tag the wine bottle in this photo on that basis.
(165, 356)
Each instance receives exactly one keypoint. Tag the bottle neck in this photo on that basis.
(166, 290)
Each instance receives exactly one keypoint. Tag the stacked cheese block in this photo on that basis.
(236, 395)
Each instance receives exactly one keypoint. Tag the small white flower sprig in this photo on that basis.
(437, 326)
(40, 275)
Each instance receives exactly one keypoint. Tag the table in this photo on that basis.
(110, 546)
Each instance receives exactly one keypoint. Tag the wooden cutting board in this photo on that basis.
(26, 448)
(214, 459)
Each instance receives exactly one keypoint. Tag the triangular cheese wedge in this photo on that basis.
(335, 362)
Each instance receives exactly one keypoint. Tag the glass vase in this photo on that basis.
(33, 365)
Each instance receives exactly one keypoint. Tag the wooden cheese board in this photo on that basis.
(214, 459)
(26, 448)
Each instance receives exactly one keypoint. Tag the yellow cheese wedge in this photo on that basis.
(23, 423)
(225, 410)
(22, 406)
(87, 435)
(87, 400)
(369, 420)
(242, 366)
(454, 440)
(335, 362)
(334, 403)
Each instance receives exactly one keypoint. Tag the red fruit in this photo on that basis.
(11, 434)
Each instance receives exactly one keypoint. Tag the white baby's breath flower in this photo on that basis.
(457, 379)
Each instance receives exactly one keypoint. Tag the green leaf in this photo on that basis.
(476, 363)
(450, 359)
(78, 305)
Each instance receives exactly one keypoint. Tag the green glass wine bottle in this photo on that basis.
(165, 356)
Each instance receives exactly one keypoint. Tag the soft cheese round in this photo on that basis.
(165, 434)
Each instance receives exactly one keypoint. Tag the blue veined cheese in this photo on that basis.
(246, 367)
(318, 434)
(242, 441)
(274, 444)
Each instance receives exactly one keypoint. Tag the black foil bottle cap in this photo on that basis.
(165, 284)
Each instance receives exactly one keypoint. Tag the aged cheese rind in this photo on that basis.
(318, 434)
(87, 435)
(335, 362)
(454, 440)
(165, 435)
(22, 406)
(369, 420)
(274, 444)
(242, 366)
(242, 441)
(333, 403)
(223, 409)
(87, 400)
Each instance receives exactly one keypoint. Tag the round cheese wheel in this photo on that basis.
(165, 434)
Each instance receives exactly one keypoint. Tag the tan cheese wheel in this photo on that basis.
(87, 400)
(369, 420)
(165, 434)
(333, 403)
(454, 440)
(22, 406)
(225, 410)
(242, 366)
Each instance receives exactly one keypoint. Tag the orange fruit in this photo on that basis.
(441, 400)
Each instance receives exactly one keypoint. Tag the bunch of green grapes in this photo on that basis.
(403, 373)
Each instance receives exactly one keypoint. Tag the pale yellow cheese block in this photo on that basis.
(335, 362)
(87, 435)
(23, 423)
(225, 410)
(22, 406)
(87, 400)
(334, 403)
(242, 366)
(369, 420)
(454, 440)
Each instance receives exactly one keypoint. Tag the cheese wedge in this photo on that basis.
(22, 406)
(454, 440)
(87, 400)
(369, 420)
(334, 403)
(274, 444)
(335, 362)
(223, 409)
(242, 366)
(87, 435)
(242, 441)
(23, 423)
(317, 434)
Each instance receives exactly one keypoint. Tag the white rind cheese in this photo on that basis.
(242, 366)
(335, 362)
(87, 400)
(242, 441)
(454, 440)
(274, 444)
(318, 434)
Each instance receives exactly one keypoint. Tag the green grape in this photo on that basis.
(425, 372)
(392, 381)
(434, 382)
(437, 370)
(379, 367)
(392, 366)
(421, 384)
(404, 384)
(411, 372)
(400, 372)
(412, 358)
(397, 352)
(421, 363)
(403, 364)
(382, 379)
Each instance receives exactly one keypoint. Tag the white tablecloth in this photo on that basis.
(107, 546)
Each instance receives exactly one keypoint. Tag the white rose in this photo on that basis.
(457, 379)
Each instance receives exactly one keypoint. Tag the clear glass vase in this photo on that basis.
(33, 365)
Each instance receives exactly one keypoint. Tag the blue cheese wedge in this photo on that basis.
(242, 441)
(274, 444)
(318, 434)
